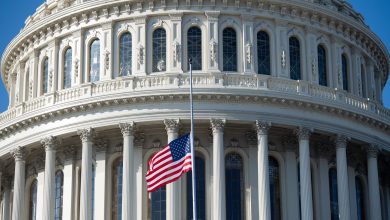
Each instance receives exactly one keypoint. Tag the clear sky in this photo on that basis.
(13, 13)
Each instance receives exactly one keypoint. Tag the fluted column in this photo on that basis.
(219, 203)
(50, 145)
(292, 194)
(6, 199)
(373, 183)
(305, 174)
(69, 189)
(128, 208)
(86, 136)
(342, 178)
(19, 155)
(262, 170)
(174, 204)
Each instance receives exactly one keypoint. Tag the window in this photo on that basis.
(33, 200)
(27, 85)
(344, 69)
(363, 80)
(45, 75)
(159, 50)
(295, 58)
(158, 204)
(117, 180)
(361, 211)
(263, 53)
(68, 68)
(94, 59)
(274, 186)
(334, 204)
(229, 40)
(322, 73)
(194, 47)
(59, 195)
(200, 190)
(234, 187)
(125, 54)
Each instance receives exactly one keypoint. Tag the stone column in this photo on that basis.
(100, 180)
(50, 145)
(292, 177)
(342, 178)
(373, 183)
(6, 199)
(86, 136)
(305, 174)
(18, 208)
(323, 167)
(128, 208)
(173, 189)
(69, 188)
(218, 202)
(263, 171)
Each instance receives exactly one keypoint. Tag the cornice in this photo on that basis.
(79, 15)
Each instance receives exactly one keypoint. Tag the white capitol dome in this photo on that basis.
(289, 121)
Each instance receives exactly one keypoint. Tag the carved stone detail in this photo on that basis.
(50, 143)
(372, 151)
(341, 141)
(303, 133)
(127, 129)
(262, 127)
(19, 153)
(172, 125)
(217, 125)
(87, 134)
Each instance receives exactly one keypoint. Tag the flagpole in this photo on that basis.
(192, 147)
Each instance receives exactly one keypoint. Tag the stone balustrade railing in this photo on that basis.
(264, 85)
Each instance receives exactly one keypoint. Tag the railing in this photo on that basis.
(282, 87)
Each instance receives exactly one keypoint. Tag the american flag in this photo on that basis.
(167, 165)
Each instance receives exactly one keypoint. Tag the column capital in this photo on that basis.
(127, 128)
(303, 133)
(19, 153)
(372, 151)
(217, 125)
(172, 125)
(341, 141)
(86, 134)
(262, 127)
(50, 143)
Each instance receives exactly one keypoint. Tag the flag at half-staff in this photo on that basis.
(169, 164)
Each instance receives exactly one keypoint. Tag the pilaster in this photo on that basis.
(248, 45)
(177, 44)
(213, 41)
(140, 44)
(78, 57)
(106, 72)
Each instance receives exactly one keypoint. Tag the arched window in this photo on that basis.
(68, 68)
(263, 53)
(125, 54)
(234, 187)
(159, 50)
(229, 41)
(27, 85)
(361, 211)
(200, 190)
(344, 69)
(94, 59)
(117, 180)
(295, 58)
(322, 72)
(59, 190)
(334, 203)
(33, 200)
(274, 180)
(45, 75)
(363, 80)
(158, 204)
(194, 47)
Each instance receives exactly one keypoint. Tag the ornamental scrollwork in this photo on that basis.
(107, 59)
(140, 54)
(341, 141)
(217, 125)
(76, 67)
(172, 125)
(213, 50)
(283, 60)
(176, 51)
(127, 129)
(372, 151)
(19, 153)
(248, 52)
(262, 127)
(50, 143)
(303, 133)
(87, 134)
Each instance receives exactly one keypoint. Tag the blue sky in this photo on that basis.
(13, 13)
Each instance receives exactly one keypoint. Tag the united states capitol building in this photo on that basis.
(289, 119)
